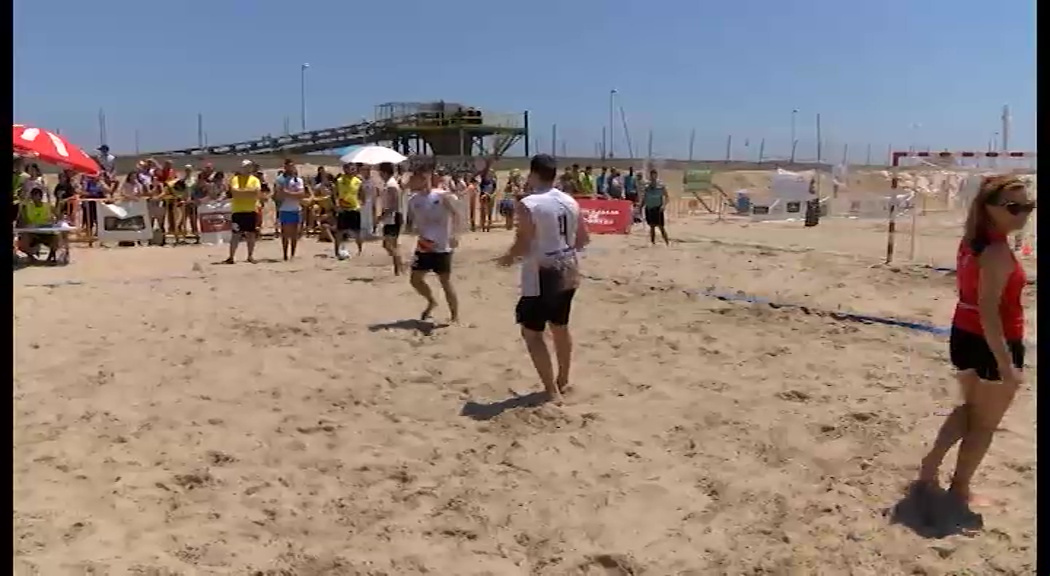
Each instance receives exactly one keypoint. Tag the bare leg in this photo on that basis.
(250, 241)
(450, 297)
(359, 240)
(951, 432)
(390, 245)
(337, 239)
(286, 240)
(416, 279)
(296, 232)
(663, 232)
(541, 360)
(235, 239)
(989, 403)
(473, 204)
(652, 234)
(563, 352)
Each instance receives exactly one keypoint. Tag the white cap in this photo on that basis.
(245, 163)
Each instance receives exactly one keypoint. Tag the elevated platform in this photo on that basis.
(437, 128)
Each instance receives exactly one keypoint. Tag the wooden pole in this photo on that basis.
(729, 148)
(692, 140)
(761, 150)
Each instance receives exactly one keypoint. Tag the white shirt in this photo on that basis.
(432, 218)
(391, 200)
(555, 216)
(295, 184)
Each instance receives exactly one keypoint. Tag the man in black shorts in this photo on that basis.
(435, 219)
(550, 231)
(392, 215)
(348, 210)
(654, 200)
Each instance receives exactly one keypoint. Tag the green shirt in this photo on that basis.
(653, 196)
(587, 183)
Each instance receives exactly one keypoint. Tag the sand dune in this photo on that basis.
(179, 417)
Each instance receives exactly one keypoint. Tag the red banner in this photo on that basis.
(607, 216)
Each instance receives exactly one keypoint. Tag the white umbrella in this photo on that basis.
(372, 155)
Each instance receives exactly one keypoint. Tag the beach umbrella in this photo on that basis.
(372, 155)
(52, 149)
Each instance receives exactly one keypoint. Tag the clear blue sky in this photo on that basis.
(873, 68)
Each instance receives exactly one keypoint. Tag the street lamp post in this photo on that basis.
(302, 94)
(612, 146)
(794, 113)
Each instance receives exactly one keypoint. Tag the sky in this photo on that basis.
(881, 73)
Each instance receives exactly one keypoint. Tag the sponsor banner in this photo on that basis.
(607, 216)
(215, 222)
(126, 221)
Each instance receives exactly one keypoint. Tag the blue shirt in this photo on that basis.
(628, 183)
(601, 183)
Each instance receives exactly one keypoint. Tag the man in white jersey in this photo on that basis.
(550, 231)
(435, 219)
(392, 216)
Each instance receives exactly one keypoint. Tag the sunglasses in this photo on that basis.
(1018, 208)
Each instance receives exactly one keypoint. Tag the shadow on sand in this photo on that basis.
(931, 512)
(424, 327)
(479, 411)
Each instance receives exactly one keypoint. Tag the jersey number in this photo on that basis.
(563, 227)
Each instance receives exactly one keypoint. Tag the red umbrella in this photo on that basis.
(52, 148)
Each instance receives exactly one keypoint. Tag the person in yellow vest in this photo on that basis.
(18, 178)
(348, 211)
(35, 213)
(245, 190)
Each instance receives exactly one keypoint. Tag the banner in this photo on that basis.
(697, 180)
(126, 221)
(607, 216)
(215, 222)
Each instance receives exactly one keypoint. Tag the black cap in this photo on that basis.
(103, 148)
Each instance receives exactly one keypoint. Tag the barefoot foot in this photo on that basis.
(428, 311)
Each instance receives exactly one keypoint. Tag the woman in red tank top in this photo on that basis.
(987, 336)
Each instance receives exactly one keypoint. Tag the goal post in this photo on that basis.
(996, 162)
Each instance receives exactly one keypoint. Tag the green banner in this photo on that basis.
(697, 180)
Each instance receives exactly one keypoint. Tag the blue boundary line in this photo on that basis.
(849, 316)
(949, 270)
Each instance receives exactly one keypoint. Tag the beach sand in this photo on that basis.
(174, 416)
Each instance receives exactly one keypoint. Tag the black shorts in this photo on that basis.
(436, 262)
(969, 351)
(654, 216)
(35, 240)
(535, 312)
(245, 222)
(632, 197)
(394, 230)
(348, 220)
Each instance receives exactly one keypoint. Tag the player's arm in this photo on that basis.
(583, 237)
(448, 199)
(523, 234)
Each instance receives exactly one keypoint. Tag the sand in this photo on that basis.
(179, 417)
